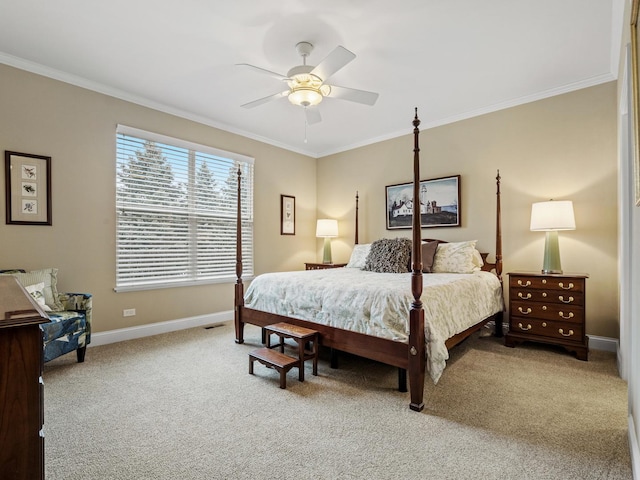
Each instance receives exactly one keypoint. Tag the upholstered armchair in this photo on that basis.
(69, 327)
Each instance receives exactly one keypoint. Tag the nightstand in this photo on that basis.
(548, 308)
(322, 266)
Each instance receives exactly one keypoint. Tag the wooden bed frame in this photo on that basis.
(406, 356)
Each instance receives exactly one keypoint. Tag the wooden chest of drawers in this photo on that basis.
(548, 308)
(321, 266)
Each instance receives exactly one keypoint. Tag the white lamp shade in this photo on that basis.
(552, 216)
(327, 228)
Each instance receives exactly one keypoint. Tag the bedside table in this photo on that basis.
(322, 266)
(548, 308)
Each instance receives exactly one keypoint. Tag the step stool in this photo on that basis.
(274, 359)
(302, 336)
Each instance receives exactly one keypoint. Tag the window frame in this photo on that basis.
(191, 212)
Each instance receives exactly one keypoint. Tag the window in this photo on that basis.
(176, 211)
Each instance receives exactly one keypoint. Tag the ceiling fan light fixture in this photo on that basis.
(305, 96)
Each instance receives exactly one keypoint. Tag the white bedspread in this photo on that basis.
(378, 303)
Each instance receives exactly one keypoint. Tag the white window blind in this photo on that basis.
(176, 212)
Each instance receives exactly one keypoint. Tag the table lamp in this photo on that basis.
(327, 229)
(550, 217)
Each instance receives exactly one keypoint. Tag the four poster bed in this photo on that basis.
(374, 325)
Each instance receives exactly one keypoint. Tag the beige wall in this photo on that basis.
(562, 147)
(76, 127)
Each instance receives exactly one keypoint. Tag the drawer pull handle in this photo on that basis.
(523, 312)
(569, 300)
(561, 332)
(544, 324)
(525, 329)
(524, 297)
(524, 284)
(561, 285)
(561, 314)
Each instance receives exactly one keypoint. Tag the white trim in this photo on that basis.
(130, 333)
(589, 82)
(145, 102)
(49, 72)
(633, 449)
(606, 344)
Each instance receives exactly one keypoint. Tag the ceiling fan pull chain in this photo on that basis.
(305, 128)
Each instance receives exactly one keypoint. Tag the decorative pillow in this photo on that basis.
(477, 260)
(359, 256)
(389, 256)
(455, 257)
(428, 255)
(48, 276)
(37, 292)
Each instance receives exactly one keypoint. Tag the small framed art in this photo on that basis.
(287, 215)
(28, 189)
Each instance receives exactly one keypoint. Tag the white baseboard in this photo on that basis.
(119, 335)
(633, 448)
(604, 343)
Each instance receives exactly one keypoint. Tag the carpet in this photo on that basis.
(183, 406)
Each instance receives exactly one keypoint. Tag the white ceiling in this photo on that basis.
(453, 59)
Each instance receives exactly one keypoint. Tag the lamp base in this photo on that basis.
(551, 262)
(551, 272)
(326, 258)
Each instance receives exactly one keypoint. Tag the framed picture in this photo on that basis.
(635, 66)
(28, 188)
(439, 203)
(287, 215)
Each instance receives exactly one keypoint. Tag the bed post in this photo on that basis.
(499, 316)
(357, 198)
(416, 362)
(239, 290)
(498, 230)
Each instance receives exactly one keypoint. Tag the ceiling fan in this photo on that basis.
(307, 84)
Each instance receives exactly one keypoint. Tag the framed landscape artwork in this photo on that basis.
(439, 203)
(28, 189)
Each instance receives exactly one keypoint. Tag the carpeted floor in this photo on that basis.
(183, 406)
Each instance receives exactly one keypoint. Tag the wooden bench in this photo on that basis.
(274, 359)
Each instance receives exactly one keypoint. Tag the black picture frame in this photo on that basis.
(440, 203)
(27, 188)
(287, 215)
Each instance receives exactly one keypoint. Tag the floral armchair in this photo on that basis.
(69, 326)
(69, 329)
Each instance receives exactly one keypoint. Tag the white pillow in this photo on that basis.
(477, 260)
(37, 292)
(358, 256)
(48, 276)
(455, 257)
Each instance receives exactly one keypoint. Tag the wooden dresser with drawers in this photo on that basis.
(548, 308)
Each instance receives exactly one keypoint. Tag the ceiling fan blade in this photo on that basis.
(353, 95)
(264, 71)
(312, 115)
(264, 100)
(333, 62)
